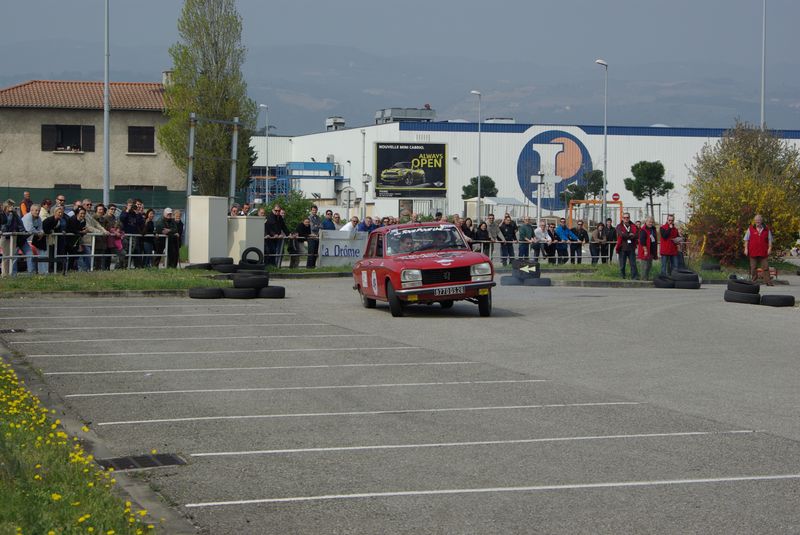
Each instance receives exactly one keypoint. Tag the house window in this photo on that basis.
(141, 139)
(67, 138)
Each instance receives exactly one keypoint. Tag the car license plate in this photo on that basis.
(449, 290)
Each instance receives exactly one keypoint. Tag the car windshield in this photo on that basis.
(402, 165)
(420, 239)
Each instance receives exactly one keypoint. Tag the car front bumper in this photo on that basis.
(471, 289)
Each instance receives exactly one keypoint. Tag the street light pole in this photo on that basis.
(266, 151)
(603, 63)
(763, 58)
(106, 123)
(478, 204)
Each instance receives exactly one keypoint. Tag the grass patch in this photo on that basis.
(48, 484)
(134, 279)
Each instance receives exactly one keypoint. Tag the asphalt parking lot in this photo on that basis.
(570, 410)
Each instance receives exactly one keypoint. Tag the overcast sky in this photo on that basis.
(552, 39)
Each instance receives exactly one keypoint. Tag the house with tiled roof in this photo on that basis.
(51, 139)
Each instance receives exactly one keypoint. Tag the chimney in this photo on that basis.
(166, 78)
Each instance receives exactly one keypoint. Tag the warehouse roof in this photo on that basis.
(62, 94)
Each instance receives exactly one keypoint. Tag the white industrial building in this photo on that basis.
(513, 155)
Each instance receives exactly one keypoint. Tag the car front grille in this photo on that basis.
(443, 276)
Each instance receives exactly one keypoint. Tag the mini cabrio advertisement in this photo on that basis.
(411, 169)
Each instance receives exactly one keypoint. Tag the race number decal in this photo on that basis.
(375, 282)
(364, 282)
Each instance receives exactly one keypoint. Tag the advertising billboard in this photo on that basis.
(410, 169)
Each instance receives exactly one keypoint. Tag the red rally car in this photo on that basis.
(422, 263)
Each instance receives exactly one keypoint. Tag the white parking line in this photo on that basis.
(288, 388)
(143, 327)
(254, 368)
(122, 307)
(60, 318)
(223, 351)
(367, 413)
(472, 443)
(175, 339)
(576, 486)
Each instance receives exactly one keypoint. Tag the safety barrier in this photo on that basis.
(67, 260)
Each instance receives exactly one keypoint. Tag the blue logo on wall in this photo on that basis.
(554, 152)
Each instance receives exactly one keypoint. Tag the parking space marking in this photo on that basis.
(155, 316)
(293, 388)
(254, 368)
(370, 413)
(190, 305)
(225, 351)
(471, 443)
(120, 327)
(487, 490)
(174, 339)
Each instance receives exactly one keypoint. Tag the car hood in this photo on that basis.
(439, 259)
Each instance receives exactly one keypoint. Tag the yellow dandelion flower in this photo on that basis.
(153, 451)
(55, 496)
(143, 512)
(85, 429)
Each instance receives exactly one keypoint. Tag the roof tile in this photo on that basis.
(64, 94)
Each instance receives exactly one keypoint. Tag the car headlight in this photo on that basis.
(481, 272)
(411, 278)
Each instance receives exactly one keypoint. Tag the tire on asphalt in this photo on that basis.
(395, 305)
(776, 300)
(446, 304)
(252, 267)
(662, 281)
(225, 268)
(687, 285)
(246, 256)
(543, 281)
(508, 280)
(203, 265)
(272, 292)
(366, 302)
(485, 304)
(684, 275)
(738, 297)
(744, 287)
(205, 293)
(239, 293)
(220, 260)
(250, 281)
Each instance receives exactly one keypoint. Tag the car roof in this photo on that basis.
(403, 226)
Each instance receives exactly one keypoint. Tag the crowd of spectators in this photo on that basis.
(54, 237)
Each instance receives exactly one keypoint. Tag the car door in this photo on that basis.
(366, 268)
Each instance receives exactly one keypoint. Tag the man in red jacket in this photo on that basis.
(758, 246)
(627, 241)
(670, 239)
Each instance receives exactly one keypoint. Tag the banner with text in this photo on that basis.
(410, 169)
(341, 248)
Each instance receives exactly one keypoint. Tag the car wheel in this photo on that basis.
(447, 304)
(775, 300)
(408, 180)
(272, 292)
(745, 287)
(485, 305)
(366, 301)
(732, 296)
(395, 305)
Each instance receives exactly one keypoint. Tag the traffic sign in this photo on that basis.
(615, 197)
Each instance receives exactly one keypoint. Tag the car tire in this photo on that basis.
(366, 302)
(775, 300)
(738, 297)
(543, 281)
(684, 275)
(408, 180)
(745, 287)
(220, 260)
(205, 293)
(224, 268)
(250, 281)
(252, 267)
(395, 305)
(239, 293)
(272, 292)
(246, 256)
(203, 265)
(446, 304)
(485, 305)
(662, 281)
(687, 285)
(508, 280)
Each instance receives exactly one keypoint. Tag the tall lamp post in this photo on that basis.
(603, 63)
(763, 58)
(266, 151)
(478, 205)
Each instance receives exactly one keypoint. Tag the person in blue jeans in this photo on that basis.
(564, 235)
(627, 240)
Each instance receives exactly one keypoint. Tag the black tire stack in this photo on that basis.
(681, 278)
(747, 292)
(250, 279)
(532, 276)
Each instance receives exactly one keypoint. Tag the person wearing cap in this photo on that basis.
(167, 227)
